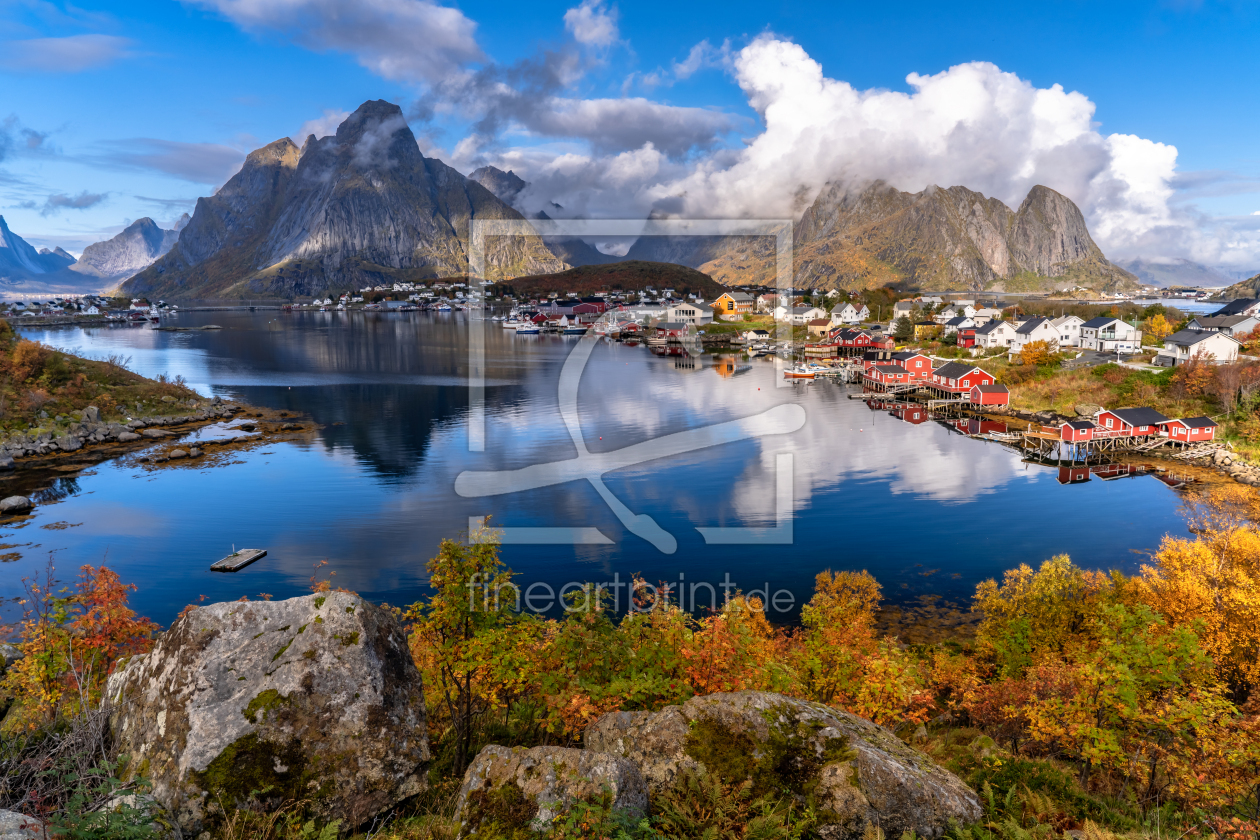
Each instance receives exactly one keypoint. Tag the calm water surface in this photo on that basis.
(922, 507)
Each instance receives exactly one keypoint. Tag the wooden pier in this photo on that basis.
(239, 560)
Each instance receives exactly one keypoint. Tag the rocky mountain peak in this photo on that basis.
(132, 250)
(506, 185)
(363, 205)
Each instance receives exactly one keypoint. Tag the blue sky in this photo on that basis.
(112, 111)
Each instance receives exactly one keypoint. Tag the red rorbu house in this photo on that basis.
(1076, 431)
(1128, 422)
(957, 378)
(967, 337)
(916, 364)
(1190, 429)
(870, 358)
(1073, 475)
(911, 413)
(991, 394)
(887, 375)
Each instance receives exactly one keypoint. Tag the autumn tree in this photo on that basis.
(1157, 327)
(1040, 353)
(1213, 582)
(475, 650)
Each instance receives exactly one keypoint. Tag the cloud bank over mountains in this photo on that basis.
(593, 152)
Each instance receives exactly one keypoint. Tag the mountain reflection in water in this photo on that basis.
(924, 508)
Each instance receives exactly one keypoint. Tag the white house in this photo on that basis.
(953, 325)
(689, 313)
(798, 315)
(847, 313)
(91, 310)
(995, 334)
(1110, 335)
(1214, 345)
(755, 335)
(984, 315)
(954, 311)
(1034, 329)
(1234, 325)
(1069, 327)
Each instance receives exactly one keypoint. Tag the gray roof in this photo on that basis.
(1140, 416)
(889, 368)
(1222, 322)
(990, 327)
(995, 388)
(740, 297)
(956, 322)
(1031, 324)
(953, 370)
(1099, 322)
(1198, 422)
(1080, 425)
(1187, 338)
(1234, 307)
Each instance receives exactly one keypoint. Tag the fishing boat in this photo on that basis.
(444, 308)
(799, 372)
(527, 328)
(574, 329)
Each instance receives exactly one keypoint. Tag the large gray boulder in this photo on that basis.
(313, 698)
(858, 775)
(519, 788)
(15, 826)
(16, 504)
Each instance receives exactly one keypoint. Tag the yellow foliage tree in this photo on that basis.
(1033, 613)
(1214, 580)
(1039, 353)
(1156, 327)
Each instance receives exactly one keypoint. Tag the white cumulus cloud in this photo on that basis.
(592, 23)
(412, 41)
(324, 125)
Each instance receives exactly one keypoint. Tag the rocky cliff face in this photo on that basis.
(939, 238)
(506, 185)
(19, 259)
(361, 206)
(131, 251)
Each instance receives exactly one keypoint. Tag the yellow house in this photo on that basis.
(733, 303)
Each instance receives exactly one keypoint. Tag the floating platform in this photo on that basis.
(239, 560)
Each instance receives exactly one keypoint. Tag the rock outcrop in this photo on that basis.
(131, 251)
(530, 787)
(26, 270)
(15, 826)
(940, 239)
(313, 698)
(361, 207)
(858, 775)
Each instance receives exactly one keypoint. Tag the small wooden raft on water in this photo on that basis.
(239, 560)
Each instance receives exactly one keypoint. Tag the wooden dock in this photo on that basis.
(239, 560)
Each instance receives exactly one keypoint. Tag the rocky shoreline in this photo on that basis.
(86, 428)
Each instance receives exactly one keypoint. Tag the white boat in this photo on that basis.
(799, 372)
(444, 308)
(527, 328)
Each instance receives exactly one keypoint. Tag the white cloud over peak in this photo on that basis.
(412, 41)
(592, 24)
(324, 125)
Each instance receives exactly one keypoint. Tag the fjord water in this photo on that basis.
(923, 508)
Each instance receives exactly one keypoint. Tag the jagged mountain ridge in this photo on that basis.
(939, 238)
(1179, 272)
(131, 251)
(24, 270)
(508, 185)
(19, 260)
(362, 206)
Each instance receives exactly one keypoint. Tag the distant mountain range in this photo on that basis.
(23, 270)
(939, 239)
(358, 208)
(365, 207)
(1182, 272)
(626, 275)
(130, 252)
